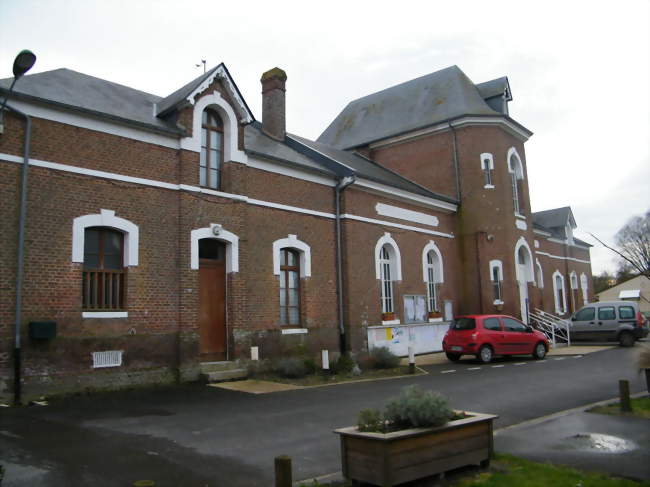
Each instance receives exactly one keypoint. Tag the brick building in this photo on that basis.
(162, 233)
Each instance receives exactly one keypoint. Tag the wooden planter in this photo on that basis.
(402, 456)
(388, 316)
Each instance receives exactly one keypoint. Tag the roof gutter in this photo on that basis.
(453, 131)
(338, 190)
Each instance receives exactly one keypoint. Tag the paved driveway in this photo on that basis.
(194, 435)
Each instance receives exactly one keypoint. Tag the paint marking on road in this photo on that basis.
(578, 356)
(448, 371)
(540, 362)
(474, 368)
(559, 358)
(497, 366)
(521, 363)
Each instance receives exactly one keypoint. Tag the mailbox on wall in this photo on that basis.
(42, 330)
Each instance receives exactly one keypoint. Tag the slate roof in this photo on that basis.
(81, 92)
(353, 163)
(424, 101)
(555, 218)
(494, 87)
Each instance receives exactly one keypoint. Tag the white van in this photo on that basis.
(609, 321)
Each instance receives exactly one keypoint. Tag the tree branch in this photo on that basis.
(645, 272)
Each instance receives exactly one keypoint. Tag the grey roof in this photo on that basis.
(430, 99)
(81, 92)
(555, 218)
(258, 143)
(581, 242)
(353, 163)
(495, 87)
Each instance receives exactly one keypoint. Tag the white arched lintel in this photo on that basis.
(486, 156)
(519, 170)
(106, 218)
(530, 277)
(387, 239)
(573, 280)
(215, 101)
(560, 308)
(431, 246)
(304, 251)
(499, 265)
(232, 246)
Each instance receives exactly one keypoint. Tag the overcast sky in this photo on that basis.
(579, 71)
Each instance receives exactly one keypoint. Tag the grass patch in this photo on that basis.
(510, 471)
(320, 378)
(640, 408)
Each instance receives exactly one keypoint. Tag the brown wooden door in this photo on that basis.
(212, 309)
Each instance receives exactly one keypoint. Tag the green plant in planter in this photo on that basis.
(413, 408)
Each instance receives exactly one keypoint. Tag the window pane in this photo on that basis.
(283, 277)
(283, 297)
(293, 279)
(291, 258)
(283, 257)
(294, 316)
(491, 324)
(586, 314)
(606, 313)
(214, 159)
(204, 117)
(626, 312)
(293, 297)
(214, 179)
(203, 176)
(203, 158)
(91, 248)
(513, 325)
(204, 133)
(463, 324)
(283, 316)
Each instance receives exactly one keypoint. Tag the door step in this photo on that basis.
(221, 372)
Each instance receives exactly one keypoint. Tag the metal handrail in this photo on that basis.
(552, 326)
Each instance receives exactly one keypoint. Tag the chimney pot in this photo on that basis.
(273, 103)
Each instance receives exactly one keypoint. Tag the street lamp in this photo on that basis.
(23, 63)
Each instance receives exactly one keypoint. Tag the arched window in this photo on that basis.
(289, 287)
(516, 170)
(584, 285)
(386, 277)
(496, 276)
(211, 150)
(433, 275)
(540, 275)
(487, 165)
(559, 293)
(104, 274)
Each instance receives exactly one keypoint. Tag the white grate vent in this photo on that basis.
(109, 358)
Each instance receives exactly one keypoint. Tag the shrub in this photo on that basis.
(343, 365)
(383, 358)
(310, 365)
(416, 408)
(291, 367)
(371, 420)
(256, 368)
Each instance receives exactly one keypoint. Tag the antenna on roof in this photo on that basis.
(203, 62)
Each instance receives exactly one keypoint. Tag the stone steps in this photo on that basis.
(221, 372)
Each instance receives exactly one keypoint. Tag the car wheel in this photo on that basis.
(485, 354)
(454, 357)
(539, 352)
(626, 339)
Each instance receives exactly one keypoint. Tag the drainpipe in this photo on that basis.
(21, 254)
(453, 131)
(338, 190)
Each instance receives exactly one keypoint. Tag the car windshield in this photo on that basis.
(463, 324)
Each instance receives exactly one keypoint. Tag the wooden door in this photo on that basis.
(212, 309)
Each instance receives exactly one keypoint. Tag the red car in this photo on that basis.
(488, 335)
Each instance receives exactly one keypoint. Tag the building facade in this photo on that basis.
(162, 233)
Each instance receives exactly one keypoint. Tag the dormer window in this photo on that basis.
(211, 150)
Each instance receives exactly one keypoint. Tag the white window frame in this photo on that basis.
(487, 166)
(303, 249)
(432, 274)
(216, 232)
(387, 290)
(584, 285)
(516, 174)
(498, 266)
(560, 308)
(530, 271)
(540, 274)
(396, 257)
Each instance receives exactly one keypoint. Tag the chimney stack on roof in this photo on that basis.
(273, 103)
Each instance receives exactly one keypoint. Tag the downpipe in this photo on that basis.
(338, 190)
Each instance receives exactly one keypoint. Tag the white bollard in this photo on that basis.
(325, 354)
(411, 360)
(255, 353)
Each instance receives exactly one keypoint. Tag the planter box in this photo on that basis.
(393, 458)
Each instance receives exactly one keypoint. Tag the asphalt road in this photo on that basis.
(195, 435)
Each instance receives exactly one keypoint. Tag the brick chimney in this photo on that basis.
(273, 104)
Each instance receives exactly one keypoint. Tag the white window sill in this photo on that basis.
(435, 320)
(519, 215)
(294, 331)
(489, 186)
(391, 322)
(105, 314)
(497, 302)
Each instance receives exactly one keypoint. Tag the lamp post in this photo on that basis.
(23, 63)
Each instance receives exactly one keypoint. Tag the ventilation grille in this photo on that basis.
(109, 358)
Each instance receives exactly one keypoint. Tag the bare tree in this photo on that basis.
(633, 242)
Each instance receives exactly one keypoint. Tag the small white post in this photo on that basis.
(255, 353)
(411, 360)
(325, 355)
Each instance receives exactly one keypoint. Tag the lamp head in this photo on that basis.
(23, 62)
